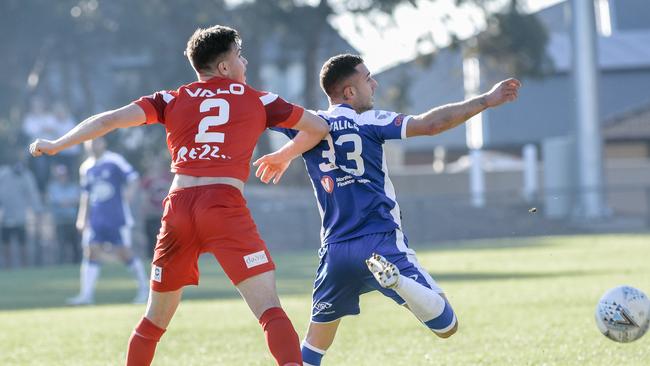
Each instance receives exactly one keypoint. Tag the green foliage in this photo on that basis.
(523, 301)
(516, 41)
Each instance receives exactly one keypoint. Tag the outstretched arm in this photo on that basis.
(272, 166)
(93, 127)
(449, 116)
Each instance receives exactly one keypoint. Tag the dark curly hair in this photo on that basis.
(207, 45)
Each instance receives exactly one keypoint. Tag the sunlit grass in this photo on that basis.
(519, 302)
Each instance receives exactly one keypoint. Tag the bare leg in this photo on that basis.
(260, 294)
(160, 310)
(320, 337)
(162, 306)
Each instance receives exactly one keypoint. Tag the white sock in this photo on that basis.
(424, 303)
(89, 274)
(137, 269)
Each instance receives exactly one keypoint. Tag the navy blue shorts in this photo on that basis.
(343, 276)
(119, 236)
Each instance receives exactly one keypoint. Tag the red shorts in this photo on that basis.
(214, 219)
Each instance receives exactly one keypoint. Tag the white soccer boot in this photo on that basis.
(385, 272)
(80, 300)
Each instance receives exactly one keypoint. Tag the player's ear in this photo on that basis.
(223, 68)
(348, 92)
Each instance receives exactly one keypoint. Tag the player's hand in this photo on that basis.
(271, 166)
(502, 92)
(40, 147)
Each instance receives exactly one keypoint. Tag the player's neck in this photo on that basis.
(205, 76)
(338, 101)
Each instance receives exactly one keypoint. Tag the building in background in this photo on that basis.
(545, 108)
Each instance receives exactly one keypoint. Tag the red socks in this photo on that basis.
(142, 344)
(281, 337)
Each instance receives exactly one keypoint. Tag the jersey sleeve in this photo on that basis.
(280, 113)
(387, 125)
(291, 133)
(154, 105)
(285, 131)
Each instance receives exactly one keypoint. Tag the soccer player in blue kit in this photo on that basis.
(108, 182)
(363, 246)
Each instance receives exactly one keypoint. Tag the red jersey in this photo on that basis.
(212, 126)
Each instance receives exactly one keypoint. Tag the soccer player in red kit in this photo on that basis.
(212, 126)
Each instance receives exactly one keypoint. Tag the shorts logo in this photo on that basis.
(414, 277)
(327, 183)
(322, 306)
(156, 273)
(256, 259)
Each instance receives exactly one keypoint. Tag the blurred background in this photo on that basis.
(572, 155)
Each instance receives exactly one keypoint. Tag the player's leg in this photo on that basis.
(403, 276)
(6, 246)
(133, 263)
(226, 228)
(174, 266)
(146, 335)
(89, 271)
(260, 294)
(318, 340)
(336, 293)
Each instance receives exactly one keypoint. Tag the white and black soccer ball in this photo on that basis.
(623, 314)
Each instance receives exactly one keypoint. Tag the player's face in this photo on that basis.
(236, 64)
(365, 87)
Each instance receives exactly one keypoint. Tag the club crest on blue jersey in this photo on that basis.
(327, 183)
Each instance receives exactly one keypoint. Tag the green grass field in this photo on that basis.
(519, 302)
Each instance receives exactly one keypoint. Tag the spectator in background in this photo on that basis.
(18, 193)
(155, 186)
(40, 121)
(65, 122)
(63, 197)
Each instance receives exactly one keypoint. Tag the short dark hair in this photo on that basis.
(207, 45)
(337, 69)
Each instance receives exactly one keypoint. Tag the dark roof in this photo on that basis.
(630, 125)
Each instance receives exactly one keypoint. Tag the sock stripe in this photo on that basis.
(311, 356)
(443, 321)
(315, 349)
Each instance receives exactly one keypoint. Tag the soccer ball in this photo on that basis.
(623, 314)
